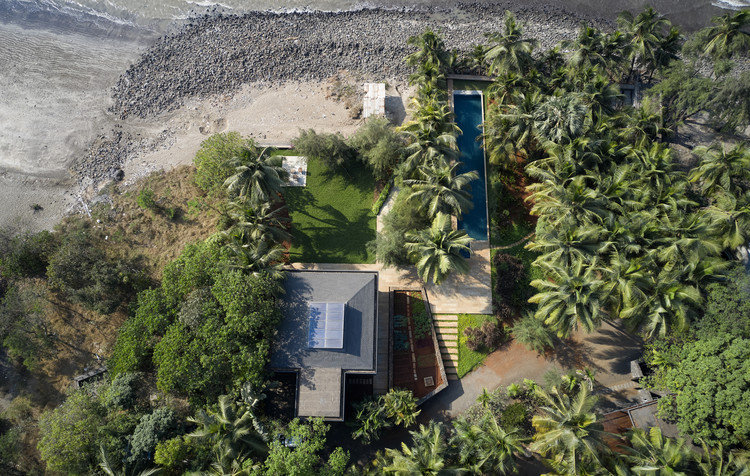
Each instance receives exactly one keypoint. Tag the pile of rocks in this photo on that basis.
(218, 53)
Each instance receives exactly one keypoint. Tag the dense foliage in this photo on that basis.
(205, 331)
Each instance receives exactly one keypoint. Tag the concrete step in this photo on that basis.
(452, 377)
(446, 330)
(449, 364)
(445, 317)
(448, 339)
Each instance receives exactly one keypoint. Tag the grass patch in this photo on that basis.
(511, 234)
(468, 359)
(332, 218)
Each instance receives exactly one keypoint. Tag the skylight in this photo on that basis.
(326, 325)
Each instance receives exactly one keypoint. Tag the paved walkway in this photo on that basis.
(607, 352)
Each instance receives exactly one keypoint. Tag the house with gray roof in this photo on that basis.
(329, 331)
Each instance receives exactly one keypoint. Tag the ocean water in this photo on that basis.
(59, 59)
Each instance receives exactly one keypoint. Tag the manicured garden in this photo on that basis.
(332, 218)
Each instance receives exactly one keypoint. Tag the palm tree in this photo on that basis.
(587, 48)
(601, 96)
(646, 35)
(560, 119)
(729, 36)
(264, 221)
(509, 133)
(672, 304)
(569, 297)
(573, 204)
(430, 49)
(486, 448)
(437, 250)
(257, 178)
(653, 454)
(569, 431)
(510, 52)
(109, 468)
(426, 456)
(719, 168)
(717, 462)
(442, 190)
(233, 430)
(732, 223)
(257, 257)
(563, 246)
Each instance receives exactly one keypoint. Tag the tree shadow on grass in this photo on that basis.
(341, 241)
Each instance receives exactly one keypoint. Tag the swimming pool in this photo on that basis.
(467, 106)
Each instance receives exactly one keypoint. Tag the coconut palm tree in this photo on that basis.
(232, 430)
(568, 432)
(720, 168)
(430, 49)
(437, 250)
(729, 36)
(257, 257)
(441, 190)
(509, 51)
(732, 222)
(425, 456)
(108, 467)
(264, 221)
(672, 304)
(568, 298)
(509, 133)
(717, 462)
(573, 204)
(588, 48)
(646, 33)
(486, 448)
(563, 246)
(560, 119)
(258, 178)
(601, 96)
(651, 453)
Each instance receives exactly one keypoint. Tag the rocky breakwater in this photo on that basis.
(218, 53)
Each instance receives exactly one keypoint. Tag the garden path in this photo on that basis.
(607, 351)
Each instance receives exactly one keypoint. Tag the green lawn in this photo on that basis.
(332, 218)
(468, 359)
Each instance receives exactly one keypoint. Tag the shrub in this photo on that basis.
(330, 149)
(152, 428)
(422, 322)
(81, 270)
(379, 146)
(213, 161)
(389, 246)
(487, 337)
(514, 416)
(532, 333)
(25, 255)
(513, 390)
(123, 392)
(68, 434)
(146, 199)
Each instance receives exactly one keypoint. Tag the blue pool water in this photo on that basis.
(468, 111)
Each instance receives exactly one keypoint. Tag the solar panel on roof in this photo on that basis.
(326, 329)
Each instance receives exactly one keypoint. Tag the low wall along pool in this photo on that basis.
(467, 106)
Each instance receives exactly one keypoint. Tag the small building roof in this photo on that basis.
(321, 368)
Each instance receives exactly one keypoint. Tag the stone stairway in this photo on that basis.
(446, 328)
